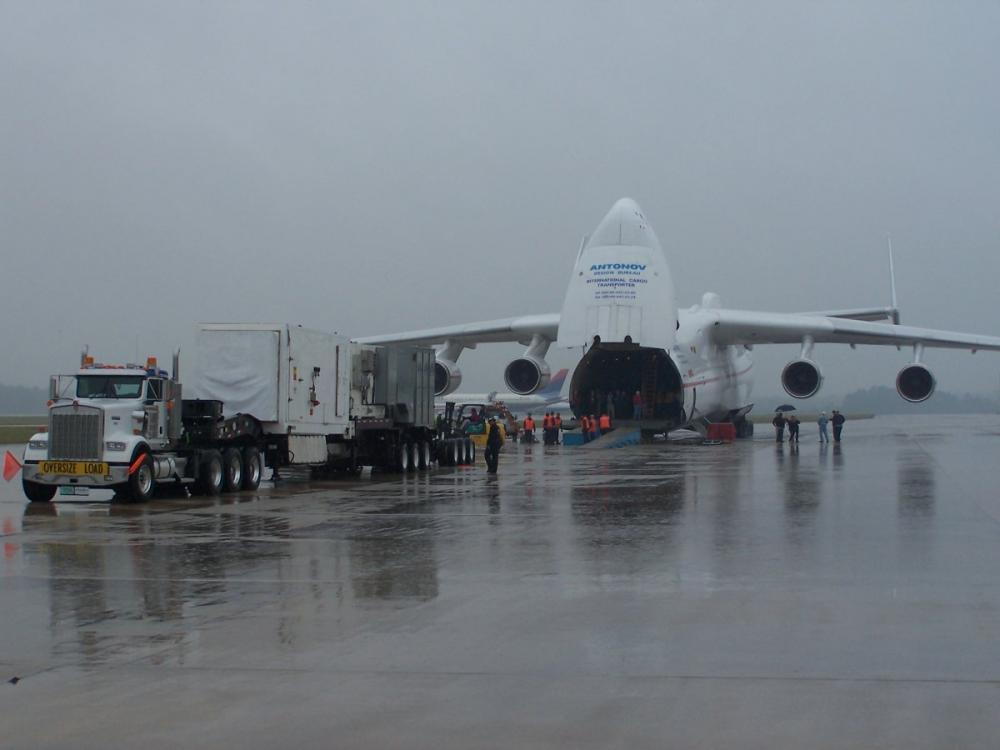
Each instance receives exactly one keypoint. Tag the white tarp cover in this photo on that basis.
(239, 368)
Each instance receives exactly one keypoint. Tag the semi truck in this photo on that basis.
(263, 396)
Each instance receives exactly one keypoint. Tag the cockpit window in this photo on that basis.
(109, 386)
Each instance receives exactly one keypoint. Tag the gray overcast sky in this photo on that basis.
(376, 167)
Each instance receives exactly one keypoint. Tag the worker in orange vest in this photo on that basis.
(529, 429)
(605, 423)
(585, 428)
(546, 427)
(557, 427)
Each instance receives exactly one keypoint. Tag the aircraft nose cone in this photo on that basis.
(624, 224)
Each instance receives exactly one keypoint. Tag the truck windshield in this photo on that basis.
(109, 386)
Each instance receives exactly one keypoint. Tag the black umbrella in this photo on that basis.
(785, 407)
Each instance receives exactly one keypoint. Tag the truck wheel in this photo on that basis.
(141, 484)
(457, 453)
(403, 456)
(424, 455)
(232, 462)
(472, 453)
(210, 474)
(251, 468)
(469, 451)
(38, 493)
(442, 452)
(412, 451)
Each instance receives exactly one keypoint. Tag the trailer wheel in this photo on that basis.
(251, 468)
(210, 474)
(457, 453)
(472, 452)
(423, 455)
(141, 484)
(232, 461)
(38, 493)
(442, 452)
(469, 450)
(404, 457)
(413, 452)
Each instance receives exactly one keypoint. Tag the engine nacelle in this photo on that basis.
(915, 383)
(801, 378)
(525, 375)
(447, 377)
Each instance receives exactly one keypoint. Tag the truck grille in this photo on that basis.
(75, 434)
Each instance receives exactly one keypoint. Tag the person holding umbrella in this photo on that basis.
(779, 427)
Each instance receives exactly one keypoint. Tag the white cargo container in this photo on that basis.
(294, 381)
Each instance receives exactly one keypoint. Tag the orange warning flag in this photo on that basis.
(10, 466)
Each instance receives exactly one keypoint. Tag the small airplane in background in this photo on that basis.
(684, 368)
(550, 394)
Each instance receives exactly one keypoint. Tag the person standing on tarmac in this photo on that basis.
(637, 406)
(605, 424)
(793, 429)
(547, 429)
(529, 429)
(779, 427)
(838, 425)
(823, 420)
(594, 430)
(585, 428)
(557, 431)
(493, 443)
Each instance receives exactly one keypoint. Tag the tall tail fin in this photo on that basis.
(554, 388)
(892, 284)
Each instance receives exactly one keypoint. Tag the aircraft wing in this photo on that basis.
(860, 313)
(469, 334)
(749, 328)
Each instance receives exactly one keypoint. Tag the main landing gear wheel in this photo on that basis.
(251, 468)
(210, 474)
(38, 493)
(141, 484)
(232, 462)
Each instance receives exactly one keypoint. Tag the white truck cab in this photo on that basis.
(100, 421)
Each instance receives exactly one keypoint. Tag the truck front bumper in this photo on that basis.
(117, 474)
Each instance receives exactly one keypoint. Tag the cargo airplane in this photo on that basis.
(690, 367)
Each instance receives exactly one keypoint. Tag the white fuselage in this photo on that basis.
(717, 380)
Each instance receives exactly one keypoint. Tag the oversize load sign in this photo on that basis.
(74, 468)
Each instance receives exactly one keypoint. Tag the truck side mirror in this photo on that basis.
(53, 388)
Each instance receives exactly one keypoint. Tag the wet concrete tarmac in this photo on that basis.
(740, 596)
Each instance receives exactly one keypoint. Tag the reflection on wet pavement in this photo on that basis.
(576, 596)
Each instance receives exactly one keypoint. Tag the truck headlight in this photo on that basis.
(115, 445)
(38, 445)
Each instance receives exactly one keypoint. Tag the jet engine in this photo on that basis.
(527, 374)
(801, 378)
(915, 383)
(447, 377)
